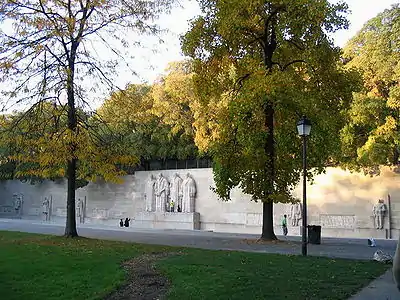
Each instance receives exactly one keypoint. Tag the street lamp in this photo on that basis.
(304, 129)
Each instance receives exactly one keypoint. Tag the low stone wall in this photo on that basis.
(339, 201)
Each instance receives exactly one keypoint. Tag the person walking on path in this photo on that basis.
(284, 225)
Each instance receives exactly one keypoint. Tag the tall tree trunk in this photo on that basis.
(70, 226)
(396, 156)
(268, 222)
(269, 47)
(269, 148)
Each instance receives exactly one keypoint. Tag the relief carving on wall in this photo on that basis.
(162, 193)
(46, 208)
(176, 196)
(81, 209)
(18, 200)
(337, 221)
(296, 213)
(150, 195)
(189, 194)
(378, 213)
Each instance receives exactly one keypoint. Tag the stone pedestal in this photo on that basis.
(167, 220)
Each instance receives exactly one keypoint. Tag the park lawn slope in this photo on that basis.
(239, 275)
(47, 267)
(34, 266)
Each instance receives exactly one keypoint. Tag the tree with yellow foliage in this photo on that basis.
(174, 100)
(48, 48)
(156, 120)
(37, 143)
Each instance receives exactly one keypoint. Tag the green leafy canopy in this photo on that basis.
(259, 66)
(371, 136)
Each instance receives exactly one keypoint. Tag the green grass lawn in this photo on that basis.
(47, 267)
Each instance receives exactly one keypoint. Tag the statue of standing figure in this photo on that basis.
(18, 204)
(150, 194)
(295, 213)
(378, 213)
(46, 208)
(188, 194)
(79, 207)
(162, 193)
(80, 210)
(176, 193)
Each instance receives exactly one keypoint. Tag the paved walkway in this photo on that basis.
(381, 289)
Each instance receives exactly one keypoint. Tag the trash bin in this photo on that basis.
(314, 234)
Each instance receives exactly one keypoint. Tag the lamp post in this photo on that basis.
(304, 129)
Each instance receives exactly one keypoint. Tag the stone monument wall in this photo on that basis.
(341, 202)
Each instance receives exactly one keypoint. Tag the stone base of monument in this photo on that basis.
(167, 220)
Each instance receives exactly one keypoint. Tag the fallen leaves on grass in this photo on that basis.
(267, 242)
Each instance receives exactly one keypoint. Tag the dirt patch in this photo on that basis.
(144, 282)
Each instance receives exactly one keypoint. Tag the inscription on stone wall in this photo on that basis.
(6, 209)
(116, 214)
(253, 219)
(61, 212)
(34, 211)
(337, 221)
(99, 213)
